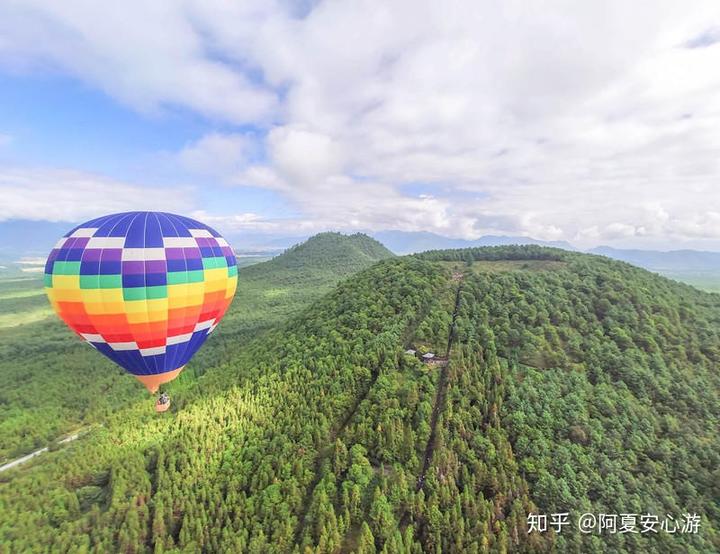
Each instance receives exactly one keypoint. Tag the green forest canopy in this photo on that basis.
(575, 383)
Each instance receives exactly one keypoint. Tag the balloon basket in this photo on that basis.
(159, 408)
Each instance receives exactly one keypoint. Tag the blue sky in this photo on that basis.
(57, 121)
(594, 123)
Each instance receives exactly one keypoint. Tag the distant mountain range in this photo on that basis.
(34, 239)
(694, 267)
(674, 260)
(20, 238)
(406, 242)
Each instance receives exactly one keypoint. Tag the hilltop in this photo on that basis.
(574, 383)
(325, 253)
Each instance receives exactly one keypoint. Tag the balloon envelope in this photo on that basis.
(143, 288)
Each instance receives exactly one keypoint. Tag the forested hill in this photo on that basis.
(336, 253)
(572, 383)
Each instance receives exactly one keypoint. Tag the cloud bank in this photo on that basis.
(69, 195)
(593, 121)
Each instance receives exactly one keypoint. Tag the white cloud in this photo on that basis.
(341, 203)
(216, 153)
(302, 156)
(145, 55)
(65, 195)
(590, 121)
(254, 222)
(31, 265)
(31, 261)
(546, 122)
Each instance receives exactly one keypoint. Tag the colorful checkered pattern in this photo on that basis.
(144, 288)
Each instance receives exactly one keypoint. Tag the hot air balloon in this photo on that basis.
(144, 288)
